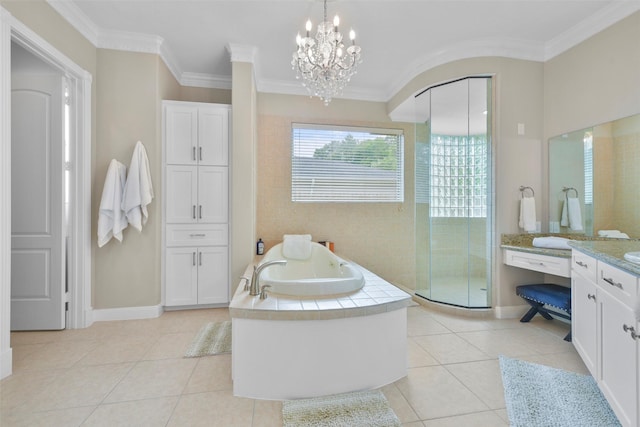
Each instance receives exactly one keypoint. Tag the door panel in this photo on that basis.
(182, 132)
(182, 194)
(213, 136)
(213, 277)
(213, 194)
(37, 203)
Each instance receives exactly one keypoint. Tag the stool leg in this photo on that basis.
(529, 314)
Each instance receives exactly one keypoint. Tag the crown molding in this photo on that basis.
(77, 18)
(508, 48)
(205, 80)
(242, 53)
(604, 18)
(131, 42)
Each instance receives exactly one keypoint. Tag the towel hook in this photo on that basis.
(567, 189)
(523, 189)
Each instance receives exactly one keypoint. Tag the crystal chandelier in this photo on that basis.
(323, 63)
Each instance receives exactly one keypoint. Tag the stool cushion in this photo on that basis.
(546, 293)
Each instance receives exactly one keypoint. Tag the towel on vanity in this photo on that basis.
(111, 218)
(571, 214)
(296, 246)
(551, 242)
(527, 214)
(613, 234)
(138, 191)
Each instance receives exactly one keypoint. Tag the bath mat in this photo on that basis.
(359, 409)
(538, 395)
(213, 338)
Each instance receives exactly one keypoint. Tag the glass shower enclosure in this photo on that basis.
(453, 193)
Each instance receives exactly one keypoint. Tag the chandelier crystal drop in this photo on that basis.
(322, 62)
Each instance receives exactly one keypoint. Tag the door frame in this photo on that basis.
(79, 251)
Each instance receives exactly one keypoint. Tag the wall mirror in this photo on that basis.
(600, 166)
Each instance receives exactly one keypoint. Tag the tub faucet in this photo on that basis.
(254, 289)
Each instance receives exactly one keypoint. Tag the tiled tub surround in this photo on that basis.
(288, 347)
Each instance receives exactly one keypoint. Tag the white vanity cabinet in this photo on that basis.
(604, 331)
(196, 204)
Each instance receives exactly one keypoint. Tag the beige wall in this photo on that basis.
(594, 82)
(128, 273)
(378, 236)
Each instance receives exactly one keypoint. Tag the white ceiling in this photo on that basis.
(399, 38)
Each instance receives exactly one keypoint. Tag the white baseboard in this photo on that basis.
(511, 311)
(127, 313)
(6, 359)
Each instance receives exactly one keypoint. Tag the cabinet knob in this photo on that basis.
(581, 264)
(591, 296)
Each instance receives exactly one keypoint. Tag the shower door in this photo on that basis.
(453, 203)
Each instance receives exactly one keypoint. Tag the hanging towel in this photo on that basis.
(111, 218)
(527, 214)
(571, 214)
(138, 191)
(296, 246)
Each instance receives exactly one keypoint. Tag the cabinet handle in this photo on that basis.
(631, 330)
(194, 212)
(197, 235)
(582, 264)
(200, 153)
(536, 263)
(193, 259)
(194, 153)
(591, 296)
(200, 212)
(612, 283)
(200, 258)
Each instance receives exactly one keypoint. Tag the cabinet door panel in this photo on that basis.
(181, 135)
(213, 275)
(213, 136)
(213, 194)
(182, 197)
(584, 321)
(619, 351)
(181, 276)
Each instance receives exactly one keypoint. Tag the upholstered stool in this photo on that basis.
(542, 295)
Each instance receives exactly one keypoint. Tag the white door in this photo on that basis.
(37, 203)
(213, 194)
(181, 276)
(181, 133)
(182, 194)
(213, 136)
(213, 277)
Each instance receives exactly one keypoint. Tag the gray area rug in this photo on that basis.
(213, 338)
(359, 409)
(538, 395)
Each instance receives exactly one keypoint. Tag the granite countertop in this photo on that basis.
(610, 251)
(376, 296)
(604, 249)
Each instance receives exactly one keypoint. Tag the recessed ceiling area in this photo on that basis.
(399, 38)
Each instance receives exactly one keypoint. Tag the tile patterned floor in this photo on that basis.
(132, 373)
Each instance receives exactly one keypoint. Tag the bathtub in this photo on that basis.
(323, 273)
(299, 346)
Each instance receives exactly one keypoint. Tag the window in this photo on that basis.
(458, 180)
(346, 164)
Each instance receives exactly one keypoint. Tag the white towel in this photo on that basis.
(111, 218)
(527, 214)
(574, 215)
(296, 246)
(138, 191)
(613, 234)
(551, 242)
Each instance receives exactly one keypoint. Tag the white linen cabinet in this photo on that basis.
(196, 203)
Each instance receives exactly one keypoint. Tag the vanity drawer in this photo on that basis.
(543, 263)
(618, 283)
(585, 265)
(198, 235)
